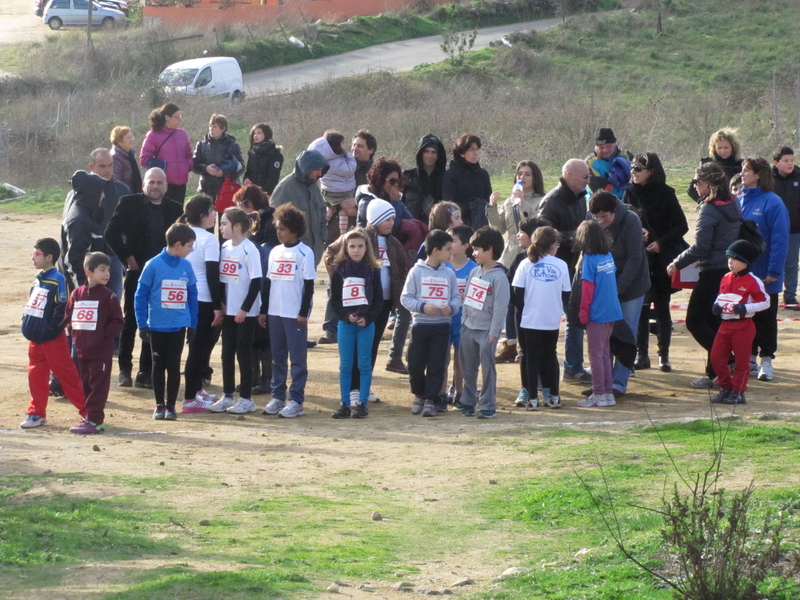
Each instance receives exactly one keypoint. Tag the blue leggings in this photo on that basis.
(355, 341)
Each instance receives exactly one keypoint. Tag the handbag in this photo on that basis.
(225, 195)
(157, 163)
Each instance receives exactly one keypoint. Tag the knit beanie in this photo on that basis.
(378, 211)
(604, 135)
(742, 250)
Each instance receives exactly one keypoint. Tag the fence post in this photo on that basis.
(775, 105)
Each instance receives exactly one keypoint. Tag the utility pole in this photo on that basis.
(89, 26)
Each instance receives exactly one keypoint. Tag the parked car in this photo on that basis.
(74, 12)
(211, 76)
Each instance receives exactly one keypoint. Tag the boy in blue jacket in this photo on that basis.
(166, 314)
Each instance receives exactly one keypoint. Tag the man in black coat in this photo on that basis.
(423, 186)
(136, 234)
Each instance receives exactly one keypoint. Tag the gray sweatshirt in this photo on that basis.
(428, 285)
(493, 300)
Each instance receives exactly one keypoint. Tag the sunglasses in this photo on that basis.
(639, 168)
(393, 181)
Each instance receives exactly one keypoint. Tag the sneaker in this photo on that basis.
(441, 404)
(579, 377)
(587, 392)
(243, 406)
(765, 372)
(221, 405)
(417, 405)
(143, 380)
(343, 412)
(291, 410)
(468, 411)
(32, 421)
(170, 414)
(206, 398)
(124, 379)
(373, 397)
(607, 400)
(159, 412)
(533, 403)
(390, 325)
(261, 388)
(593, 400)
(459, 405)
(554, 402)
(753, 366)
(506, 353)
(720, 397)
(360, 411)
(735, 398)
(86, 427)
(429, 409)
(274, 407)
(194, 405)
(487, 414)
(451, 393)
(705, 383)
(328, 337)
(396, 366)
(522, 398)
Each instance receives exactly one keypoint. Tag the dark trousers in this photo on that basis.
(427, 356)
(737, 337)
(511, 323)
(237, 345)
(766, 322)
(127, 338)
(701, 322)
(380, 327)
(539, 359)
(199, 350)
(176, 193)
(660, 301)
(96, 379)
(167, 347)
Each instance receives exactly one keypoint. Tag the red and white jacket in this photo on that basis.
(742, 288)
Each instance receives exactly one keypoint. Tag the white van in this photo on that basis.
(75, 12)
(211, 76)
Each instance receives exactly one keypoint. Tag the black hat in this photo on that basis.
(743, 251)
(604, 136)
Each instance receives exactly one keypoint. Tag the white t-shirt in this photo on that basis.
(237, 266)
(386, 274)
(544, 282)
(206, 249)
(288, 270)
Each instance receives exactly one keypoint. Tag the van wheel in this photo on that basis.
(55, 23)
(109, 23)
(236, 98)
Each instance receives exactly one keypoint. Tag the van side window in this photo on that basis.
(82, 5)
(204, 78)
(62, 4)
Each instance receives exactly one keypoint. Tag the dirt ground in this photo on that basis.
(233, 449)
(19, 24)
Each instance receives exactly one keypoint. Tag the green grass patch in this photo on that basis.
(47, 201)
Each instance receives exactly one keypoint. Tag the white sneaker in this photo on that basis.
(355, 397)
(522, 398)
(554, 402)
(293, 409)
(765, 372)
(373, 397)
(593, 400)
(222, 405)
(274, 407)
(32, 421)
(195, 405)
(244, 405)
(206, 398)
(533, 403)
(607, 400)
(753, 365)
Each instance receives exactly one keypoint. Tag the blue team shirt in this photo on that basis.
(462, 275)
(600, 269)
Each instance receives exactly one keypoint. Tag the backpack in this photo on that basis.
(748, 230)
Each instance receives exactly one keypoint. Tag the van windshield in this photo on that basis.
(177, 77)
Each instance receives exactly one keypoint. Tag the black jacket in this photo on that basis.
(264, 164)
(731, 166)
(661, 215)
(81, 226)
(565, 210)
(788, 188)
(223, 152)
(424, 189)
(126, 232)
(465, 182)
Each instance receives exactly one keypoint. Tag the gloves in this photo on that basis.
(716, 309)
(190, 333)
(740, 309)
(144, 334)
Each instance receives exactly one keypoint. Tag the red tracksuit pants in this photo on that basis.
(96, 377)
(53, 356)
(736, 337)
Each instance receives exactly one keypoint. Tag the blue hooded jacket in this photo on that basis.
(772, 218)
(149, 299)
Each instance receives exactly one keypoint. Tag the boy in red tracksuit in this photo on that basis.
(741, 295)
(43, 323)
(95, 319)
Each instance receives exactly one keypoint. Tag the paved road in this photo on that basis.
(394, 56)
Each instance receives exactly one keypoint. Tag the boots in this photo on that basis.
(663, 362)
(642, 361)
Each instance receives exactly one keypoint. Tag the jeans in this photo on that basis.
(117, 271)
(573, 347)
(790, 270)
(631, 309)
(400, 332)
(355, 342)
(289, 341)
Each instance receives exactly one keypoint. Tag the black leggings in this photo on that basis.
(766, 322)
(167, 348)
(540, 359)
(237, 343)
(200, 350)
(701, 322)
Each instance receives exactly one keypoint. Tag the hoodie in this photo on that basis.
(430, 285)
(423, 189)
(82, 226)
(716, 228)
(304, 194)
(772, 218)
(494, 303)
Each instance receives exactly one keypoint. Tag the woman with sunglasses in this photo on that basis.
(663, 228)
(386, 182)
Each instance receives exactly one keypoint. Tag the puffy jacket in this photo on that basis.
(45, 321)
(224, 153)
(423, 189)
(468, 185)
(716, 228)
(772, 218)
(264, 164)
(176, 151)
(633, 271)
(341, 174)
(506, 217)
(305, 195)
(82, 226)
(787, 187)
(565, 210)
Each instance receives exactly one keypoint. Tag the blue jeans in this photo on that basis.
(355, 340)
(790, 270)
(289, 341)
(117, 272)
(573, 348)
(631, 310)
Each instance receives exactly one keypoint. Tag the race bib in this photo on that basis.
(728, 301)
(434, 291)
(173, 294)
(229, 270)
(383, 256)
(477, 292)
(283, 267)
(354, 292)
(37, 302)
(462, 287)
(84, 315)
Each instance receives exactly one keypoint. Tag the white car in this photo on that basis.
(212, 76)
(58, 13)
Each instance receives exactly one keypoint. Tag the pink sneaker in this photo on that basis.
(206, 398)
(194, 406)
(86, 427)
